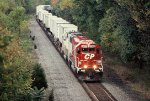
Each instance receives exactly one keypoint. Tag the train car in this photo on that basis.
(50, 22)
(83, 55)
(47, 21)
(62, 34)
(56, 28)
(43, 7)
(41, 15)
(45, 17)
(53, 27)
(40, 8)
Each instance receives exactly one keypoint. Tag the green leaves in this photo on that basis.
(15, 63)
(117, 34)
(123, 25)
(15, 18)
(37, 94)
(5, 40)
(38, 77)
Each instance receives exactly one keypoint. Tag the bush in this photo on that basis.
(38, 77)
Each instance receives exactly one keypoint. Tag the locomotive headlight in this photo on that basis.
(85, 66)
(94, 66)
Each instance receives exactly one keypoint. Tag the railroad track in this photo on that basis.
(95, 90)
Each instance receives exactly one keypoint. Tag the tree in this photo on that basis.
(118, 35)
(15, 18)
(15, 63)
(140, 12)
(122, 26)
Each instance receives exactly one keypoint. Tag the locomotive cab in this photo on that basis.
(88, 59)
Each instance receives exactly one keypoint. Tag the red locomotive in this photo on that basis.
(84, 56)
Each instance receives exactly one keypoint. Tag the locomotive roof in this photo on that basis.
(83, 39)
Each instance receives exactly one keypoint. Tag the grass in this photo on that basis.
(137, 79)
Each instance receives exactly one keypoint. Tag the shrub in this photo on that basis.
(38, 77)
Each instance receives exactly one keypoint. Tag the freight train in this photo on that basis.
(83, 55)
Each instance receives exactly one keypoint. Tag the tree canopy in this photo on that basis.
(122, 27)
(15, 60)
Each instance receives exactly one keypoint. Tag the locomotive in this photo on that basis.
(83, 55)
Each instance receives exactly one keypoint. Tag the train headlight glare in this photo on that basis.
(85, 66)
(94, 66)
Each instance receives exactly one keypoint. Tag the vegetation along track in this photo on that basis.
(95, 90)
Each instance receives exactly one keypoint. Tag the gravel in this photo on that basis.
(118, 88)
(65, 86)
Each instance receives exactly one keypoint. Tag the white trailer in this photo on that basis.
(41, 15)
(50, 21)
(47, 18)
(64, 29)
(53, 20)
(41, 7)
(45, 14)
(55, 27)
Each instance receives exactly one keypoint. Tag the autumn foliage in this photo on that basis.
(54, 2)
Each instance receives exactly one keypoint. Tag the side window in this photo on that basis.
(91, 50)
(85, 50)
(78, 50)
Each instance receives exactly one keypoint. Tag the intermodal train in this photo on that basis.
(82, 54)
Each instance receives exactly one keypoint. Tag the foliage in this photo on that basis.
(37, 94)
(66, 4)
(121, 27)
(85, 14)
(15, 19)
(117, 34)
(16, 71)
(38, 76)
(15, 62)
(33, 94)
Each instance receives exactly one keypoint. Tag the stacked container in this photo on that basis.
(47, 20)
(64, 29)
(55, 27)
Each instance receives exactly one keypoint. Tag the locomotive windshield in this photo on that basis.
(85, 50)
(91, 50)
(88, 50)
